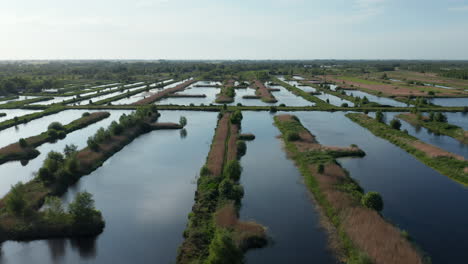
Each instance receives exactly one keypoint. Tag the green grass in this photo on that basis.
(26, 118)
(19, 104)
(449, 167)
(303, 161)
(318, 103)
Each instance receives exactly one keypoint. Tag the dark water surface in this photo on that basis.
(145, 193)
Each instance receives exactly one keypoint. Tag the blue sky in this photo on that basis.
(234, 29)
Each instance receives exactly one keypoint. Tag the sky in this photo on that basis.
(233, 29)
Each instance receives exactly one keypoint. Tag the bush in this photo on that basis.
(23, 143)
(15, 202)
(395, 124)
(85, 114)
(223, 249)
(233, 170)
(54, 212)
(56, 125)
(292, 136)
(439, 117)
(115, 128)
(241, 148)
(82, 208)
(273, 109)
(372, 200)
(344, 105)
(379, 116)
(282, 105)
(236, 117)
(92, 144)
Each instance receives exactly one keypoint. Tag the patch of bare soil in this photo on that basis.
(433, 151)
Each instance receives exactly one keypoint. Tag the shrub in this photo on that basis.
(273, 109)
(85, 114)
(92, 144)
(236, 117)
(395, 124)
(379, 116)
(82, 208)
(23, 143)
(15, 202)
(183, 121)
(223, 249)
(440, 117)
(54, 212)
(56, 125)
(292, 136)
(282, 105)
(241, 148)
(233, 170)
(372, 200)
(44, 175)
(204, 171)
(52, 134)
(115, 128)
(344, 105)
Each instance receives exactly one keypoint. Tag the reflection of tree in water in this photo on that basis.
(86, 247)
(24, 162)
(57, 249)
(183, 133)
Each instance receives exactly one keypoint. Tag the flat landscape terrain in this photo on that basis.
(233, 162)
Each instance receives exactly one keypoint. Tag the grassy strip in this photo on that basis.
(91, 96)
(7, 98)
(227, 94)
(446, 163)
(19, 104)
(440, 128)
(26, 118)
(26, 152)
(71, 91)
(214, 234)
(318, 103)
(58, 173)
(165, 92)
(215, 108)
(262, 91)
(128, 94)
(363, 235)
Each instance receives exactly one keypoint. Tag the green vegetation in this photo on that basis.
(26, 118)
(318, 103)
(213, 234)
(183, 121)
(436, 123)
(319, 167)
(24, 149)
(444, 162)
(372, 200)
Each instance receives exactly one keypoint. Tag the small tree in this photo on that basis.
(70, 150)
(82, 208)
(183, 121)
(56, 125)
(15, 202)
(395, 124)
(241, 148)
(439, 117)
(321, 168)
(292, 136)
(233, 170)
(54, 212)
(372, 200)
(92, 144)
(379, 116)
(223, 248)
(23, 143)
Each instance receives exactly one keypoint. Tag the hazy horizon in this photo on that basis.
(234, 30)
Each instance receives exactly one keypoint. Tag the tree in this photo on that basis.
(15, 201)
(23, 143)
(241, 148)
(82, 208)
(372, 200)
(292, 136)
(223, 250)
(92, 144)
(233, 170)
(54, 212)
(440, 117)
(395, 124)
(56, 126)
(53, 161)
(183, 121)
(70, 150)
(379, 116)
